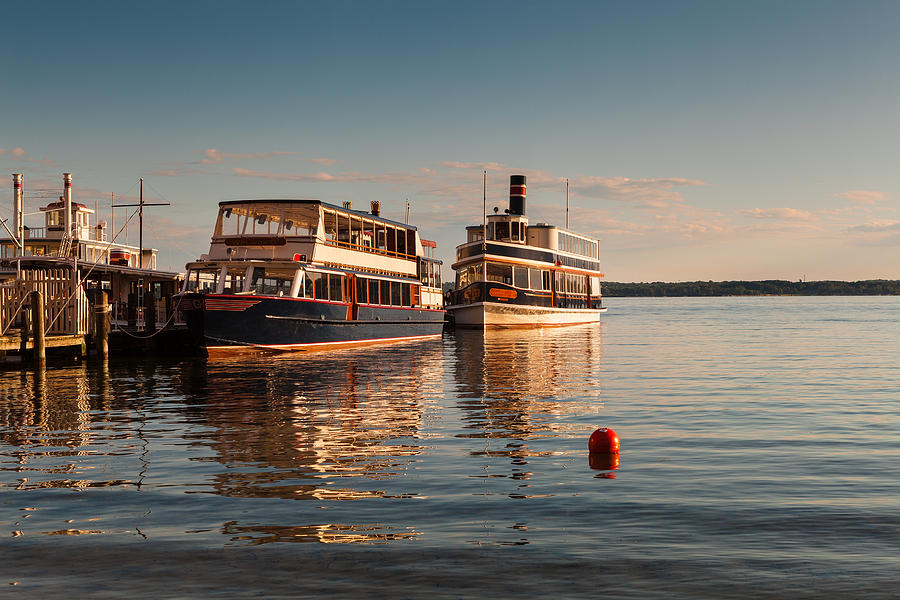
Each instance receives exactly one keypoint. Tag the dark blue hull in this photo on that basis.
(234, 321)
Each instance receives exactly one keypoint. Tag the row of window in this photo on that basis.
(527, 278)
(320, 286)
(339, 228)
(576, 245)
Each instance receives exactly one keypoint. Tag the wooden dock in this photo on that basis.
(48, 308)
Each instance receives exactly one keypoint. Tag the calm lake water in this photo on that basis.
(760, 459)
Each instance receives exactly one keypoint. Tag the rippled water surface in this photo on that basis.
(760, 459)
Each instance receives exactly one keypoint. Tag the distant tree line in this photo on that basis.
(774, 287)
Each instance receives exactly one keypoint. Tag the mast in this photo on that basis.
(567, 202)
(484, 206)
(141, 206)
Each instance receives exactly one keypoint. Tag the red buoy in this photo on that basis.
(604, 440)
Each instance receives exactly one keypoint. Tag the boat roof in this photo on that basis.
(361, 213)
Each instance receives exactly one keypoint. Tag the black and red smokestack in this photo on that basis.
(517, 194)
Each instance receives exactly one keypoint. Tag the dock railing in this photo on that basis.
(66, 306)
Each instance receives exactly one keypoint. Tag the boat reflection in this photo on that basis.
(299, 426)
(512, 383)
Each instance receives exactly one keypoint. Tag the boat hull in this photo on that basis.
(223, 323)
(494, 315)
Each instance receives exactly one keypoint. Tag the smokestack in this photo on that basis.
(376, 208)
(517, 195)
(67, 195)
(18, 209)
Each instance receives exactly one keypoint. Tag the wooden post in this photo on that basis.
(101, 325)
(37, 324)
(149, 311)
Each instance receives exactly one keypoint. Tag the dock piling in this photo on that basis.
(101, 325)
(37, 324)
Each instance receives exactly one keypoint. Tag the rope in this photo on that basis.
(154, 334)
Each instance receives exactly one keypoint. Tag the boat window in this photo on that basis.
(410, 242)
(406, 295)
(436, 274)
(391, 239)
(381, 236)
(335, 285)
(362, 290)
(320, 285)
(373, 291)
(535, 281)
(498, 273)
(415, 295)
(401, 241)
(501, 231)
(234, 279)
(343, 228)
(301, 219)
(201, 280)
(271, 282)
(395, 293)
(308, 291)
(545, 276)
(520, 277)
(595, 286)
(368, 234)
(330, 225)
(385, 292)
(356, 230)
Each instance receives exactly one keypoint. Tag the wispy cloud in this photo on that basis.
(876, 227)
(213, 156)
(864, 197)
(482, 166)
(323, 161)
(317, 177)
(785, 214)
(19, 154)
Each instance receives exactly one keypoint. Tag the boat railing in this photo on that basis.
(372, 249)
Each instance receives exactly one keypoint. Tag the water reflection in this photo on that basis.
(516, 384)
(297, 426)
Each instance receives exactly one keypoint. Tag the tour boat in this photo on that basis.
(512, 274)
(304, 274)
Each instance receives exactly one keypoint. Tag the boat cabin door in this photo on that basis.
(350, 294)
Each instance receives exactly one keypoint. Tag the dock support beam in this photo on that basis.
(37, 325)
(101, 325)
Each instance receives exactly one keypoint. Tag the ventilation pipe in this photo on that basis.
(67, 196)
(18, 210)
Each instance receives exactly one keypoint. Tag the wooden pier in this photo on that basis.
(49, 308)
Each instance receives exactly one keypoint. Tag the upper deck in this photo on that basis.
(510, 236)
(313, 231)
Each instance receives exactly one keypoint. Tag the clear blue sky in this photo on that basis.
(702, 140)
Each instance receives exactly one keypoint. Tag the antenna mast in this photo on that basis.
(141, 206)
(484, 206)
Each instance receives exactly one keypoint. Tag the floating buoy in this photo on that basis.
(604, 441)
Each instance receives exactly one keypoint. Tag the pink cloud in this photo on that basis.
(324, 161)
(867, 197)
(214, 156)
(788, 214)
(484, 166)
(314, 177)
(876, 226)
